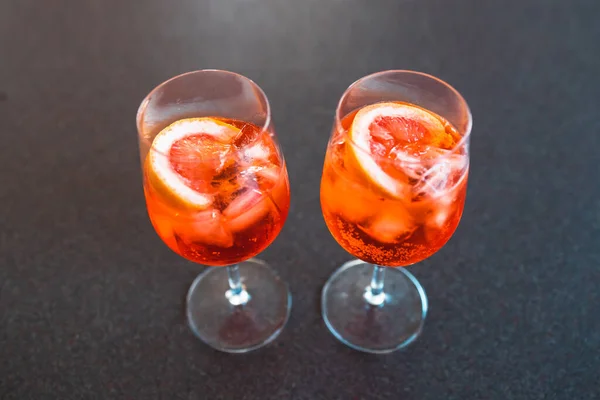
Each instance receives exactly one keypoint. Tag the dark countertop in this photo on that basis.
(91, 302)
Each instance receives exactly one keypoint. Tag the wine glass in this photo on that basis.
(217, 194)
(392, 194)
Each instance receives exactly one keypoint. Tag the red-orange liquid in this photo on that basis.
(382, 229)
(251, 203)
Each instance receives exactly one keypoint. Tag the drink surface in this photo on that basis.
(394, 183)
(216, 189)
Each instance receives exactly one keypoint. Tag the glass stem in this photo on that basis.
(237, 294)
(374, 294)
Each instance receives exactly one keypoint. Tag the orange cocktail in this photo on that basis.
(387, 197)
(217, 190)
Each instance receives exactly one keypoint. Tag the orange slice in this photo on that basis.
(385, 134)
(185, 157)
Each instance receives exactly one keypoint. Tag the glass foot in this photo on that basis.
(380, 324)
(241, 322)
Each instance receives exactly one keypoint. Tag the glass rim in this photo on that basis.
(144, 104)
(460, 144)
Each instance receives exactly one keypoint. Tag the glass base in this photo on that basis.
(218, 318)
(393, 324)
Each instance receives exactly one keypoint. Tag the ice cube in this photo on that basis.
(257, 177)
(207, 227)
(458, 162)
(411, 166)
(260, 173)
(436, 225)
(347, 198)
(243, 202)
(436, 178)
(269, 172)
(256, 151)
(249, 173)
(268, 175)
(390, 225)
(439, 178)
(439, 218)
(246, 135)
(247, 209)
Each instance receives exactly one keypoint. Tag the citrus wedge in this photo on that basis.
(185, 157)
(387, 134)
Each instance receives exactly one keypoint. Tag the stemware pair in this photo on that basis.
(392, 194)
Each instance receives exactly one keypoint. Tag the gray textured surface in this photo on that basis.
(91, 302)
